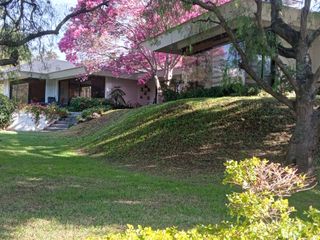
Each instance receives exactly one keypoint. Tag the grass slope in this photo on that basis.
(50, 190)
(193, 136)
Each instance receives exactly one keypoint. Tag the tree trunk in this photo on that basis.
(158, 95)
(304, 142)
(168, 77)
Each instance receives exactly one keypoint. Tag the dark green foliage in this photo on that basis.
(7, 107)
(93, 112)
(51, 111)
(234, 89)
(117, 98)
(78, 104)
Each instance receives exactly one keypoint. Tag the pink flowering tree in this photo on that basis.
(111, 39)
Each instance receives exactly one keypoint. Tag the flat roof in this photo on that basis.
(202, 33)
(59, 69)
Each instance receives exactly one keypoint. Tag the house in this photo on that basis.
(199, 38)
(59, 81)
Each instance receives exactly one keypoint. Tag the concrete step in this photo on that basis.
(63, 123)
(52, 128)
(60, 125)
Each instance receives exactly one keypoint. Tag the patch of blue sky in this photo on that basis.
(50, 43)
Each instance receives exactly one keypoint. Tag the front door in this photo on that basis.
(64, 92)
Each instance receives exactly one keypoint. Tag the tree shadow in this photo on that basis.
(183, 139)
(42, 180)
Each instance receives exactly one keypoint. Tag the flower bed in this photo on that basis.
(35, 117)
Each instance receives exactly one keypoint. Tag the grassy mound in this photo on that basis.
(190, 136)
(50, 191)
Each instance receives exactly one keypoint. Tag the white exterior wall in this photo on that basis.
(6, 88)
(24, 121)
(52, 89)
(135, 94)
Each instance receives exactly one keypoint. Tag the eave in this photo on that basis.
(202, 33)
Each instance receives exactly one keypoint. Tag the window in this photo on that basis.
(85, 92)
(20, 92)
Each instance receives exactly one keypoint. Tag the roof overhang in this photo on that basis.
(58, 75)
(203, 33)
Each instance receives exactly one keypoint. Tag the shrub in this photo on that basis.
(54, 111)
(260, 211)
(117, 98)
(78, 104)
(7, 107)
(232, 89)
(51, 111)
(92, 113)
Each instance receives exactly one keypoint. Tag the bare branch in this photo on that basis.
(13, 60)
(32, 36)
(304, 20)
(286, 52)
(281, 28)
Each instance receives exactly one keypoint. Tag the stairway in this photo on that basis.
(64, 123)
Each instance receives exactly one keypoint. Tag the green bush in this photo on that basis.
(92, 113)
(51, 111)
(54, 111)
(78, 104)
(7, 108)
(117, 98)
(233, 89)
(259, 211)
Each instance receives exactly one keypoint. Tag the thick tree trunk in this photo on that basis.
(304, 142)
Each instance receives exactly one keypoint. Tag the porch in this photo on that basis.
(61, 91)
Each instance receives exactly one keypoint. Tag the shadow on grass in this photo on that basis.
(195, 136)
(45, 186)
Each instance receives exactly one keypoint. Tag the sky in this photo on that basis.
(62, 7)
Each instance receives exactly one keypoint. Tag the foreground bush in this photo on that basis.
(78, 104)
(7, 107)
(260, 211)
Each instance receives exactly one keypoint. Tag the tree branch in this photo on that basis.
(286, 52)
(32, 36)
(13, 60)
(304, 20)
(245, 63)
(281, 28)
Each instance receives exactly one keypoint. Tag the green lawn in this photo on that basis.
(146, 168)
(48, 191)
